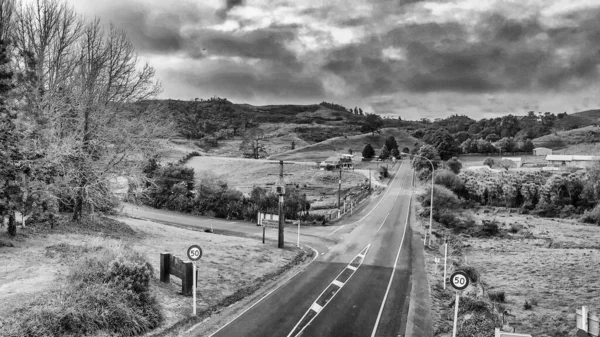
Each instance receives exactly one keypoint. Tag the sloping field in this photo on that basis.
(334, 146)
(588, 134)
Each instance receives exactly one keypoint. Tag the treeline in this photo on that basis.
(174, 188)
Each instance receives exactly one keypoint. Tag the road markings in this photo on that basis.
(260, 300)
(386, 217)
(328, 294)
(393, 272)
(377, 204)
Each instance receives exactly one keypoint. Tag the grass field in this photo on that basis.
(40, 259)
(244, 174)
(334, 146)
(552, 263)
(563, 139)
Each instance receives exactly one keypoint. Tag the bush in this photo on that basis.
(490, 228)
(527, 306)
(479, 325)
(105, 295)
(471, 272)
(592, 216)
(497, 296)
(443, 198)
(448, 179)
(489, 162)
(454, 165)
(383, 172)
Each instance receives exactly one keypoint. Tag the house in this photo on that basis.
(542, 151)
(572, 161)
(334, 162)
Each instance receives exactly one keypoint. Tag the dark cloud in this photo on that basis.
(229, 5)
(493, 53)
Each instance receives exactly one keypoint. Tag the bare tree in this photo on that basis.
(251, 144)
(7, 10)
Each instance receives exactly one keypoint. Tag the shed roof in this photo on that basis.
(557, 157)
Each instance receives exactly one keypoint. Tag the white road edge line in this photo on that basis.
(377, 204)
(260, 300)
(366, 249)
(393, 271)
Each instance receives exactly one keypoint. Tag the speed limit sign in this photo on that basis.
(459, 280)
(194, 253)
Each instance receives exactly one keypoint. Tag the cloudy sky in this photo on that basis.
(406, 58)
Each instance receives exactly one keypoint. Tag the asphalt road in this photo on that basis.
(359, 287)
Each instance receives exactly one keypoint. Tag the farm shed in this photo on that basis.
(542, 151)
(333, 162)
(573, 161)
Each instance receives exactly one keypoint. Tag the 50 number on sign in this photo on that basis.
(194, 253)
(459, 280)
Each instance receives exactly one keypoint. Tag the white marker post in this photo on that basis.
(445, 259)
(194, 253)
(459, 281)
(298, 244)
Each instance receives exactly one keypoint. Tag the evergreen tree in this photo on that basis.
(355, 110)
(384, 153)
(360, 111)
(10, 189)
(368, 151)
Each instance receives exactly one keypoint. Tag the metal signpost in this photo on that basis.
(194, 253)
(445, 250)
(459, 281)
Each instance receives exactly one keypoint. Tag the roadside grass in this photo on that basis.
(37, 272)
(539, 270)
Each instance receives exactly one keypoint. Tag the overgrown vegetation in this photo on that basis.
(108, 294)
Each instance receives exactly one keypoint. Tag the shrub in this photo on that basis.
(471, 272)
(106, 295)
(479, 325)
(454, 165)
(448, 179)
(489, 162)
(443, 198)
(527, 305)
(592, 216)
(383, 172)
(490, 228)
(368, 151)
(497, 296)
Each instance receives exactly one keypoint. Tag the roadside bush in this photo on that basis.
(592, 216)
(497, 296)
(443, 198)
(471, 272)
(188, 157)
(479, 325)
(383, 172)
(104, 295)
(448, 179)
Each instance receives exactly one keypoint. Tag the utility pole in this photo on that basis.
(281, 215)
(340, 189)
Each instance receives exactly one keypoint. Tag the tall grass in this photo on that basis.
(107, 295)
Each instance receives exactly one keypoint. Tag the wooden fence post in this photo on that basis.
(165, 267)
(187, 281)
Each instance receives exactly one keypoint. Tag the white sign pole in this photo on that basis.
(455, 315)
(194, 290)
(445, 258)
(298, 244)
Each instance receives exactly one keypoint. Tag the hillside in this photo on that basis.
(333, 146)
(571, 138)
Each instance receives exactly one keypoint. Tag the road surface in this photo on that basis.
(360, 287)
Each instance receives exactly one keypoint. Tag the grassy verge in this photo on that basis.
(532, 274)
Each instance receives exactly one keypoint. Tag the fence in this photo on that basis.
(588, 322)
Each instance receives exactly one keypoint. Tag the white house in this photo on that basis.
(542, 151)
(572, 160)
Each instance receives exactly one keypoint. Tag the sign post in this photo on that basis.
(194, 253)
(298, 244)
(445, 250)
(459, 281)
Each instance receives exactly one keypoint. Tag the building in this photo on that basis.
(334, 162)
(542, 151)
(572, 161)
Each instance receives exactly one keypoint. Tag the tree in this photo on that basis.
(405, 150)
(368, 151)
(384, 153)
(293, 145)
(395, 153)
(429, 152)
(373, 123)
(356, 111)
(489, 162)
(507, 164)
(492, 138)
(528, 146)
(360, 111)
(454, 165)
(507, 144)
(474, 129)
(251, 144)
(390, 142)
(11, 192)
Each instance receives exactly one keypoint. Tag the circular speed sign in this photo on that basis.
(194, 253)
(459, 280)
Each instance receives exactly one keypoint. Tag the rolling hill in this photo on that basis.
(322, 150)
(570, 139)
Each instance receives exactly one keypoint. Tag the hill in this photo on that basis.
(563, 139)
(333, 146)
